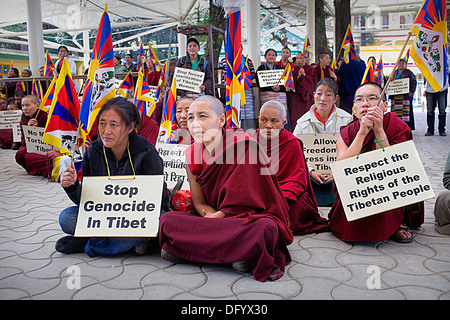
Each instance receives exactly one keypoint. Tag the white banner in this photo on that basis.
(189, 80)
(398, 87)
(319, 150)
(33, 140)
(270, 78)
(9, 118)
(120, 206)
(174, 163)
(379, 181)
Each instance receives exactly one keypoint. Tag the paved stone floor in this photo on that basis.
(323, 267)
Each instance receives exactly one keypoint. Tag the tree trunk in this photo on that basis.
(341, 23)
(321, 43)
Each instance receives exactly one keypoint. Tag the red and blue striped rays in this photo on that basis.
(248, 82)
(49, 66)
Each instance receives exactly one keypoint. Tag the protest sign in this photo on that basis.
(33, 140)
(398, 87)
(270, 78)
(17, 133)
(379, 181)
(9, 118)
(120, 206)
(319, 150)
(174, 163)
(189, 80)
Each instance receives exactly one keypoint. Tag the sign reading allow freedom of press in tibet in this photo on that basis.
(189, 80)
(378, 180)
(120, 206)
(319, 150)
(270, 78)
(174, 163)
(398, 87)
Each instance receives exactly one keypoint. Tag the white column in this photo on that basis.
(35, 36)
(182, 39)
(253, 29)
(310, 24)
(86, 47)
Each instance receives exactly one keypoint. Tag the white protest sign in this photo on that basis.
(379, 181)
(120, 206)
(174, 163)
(319, 150)
(9, 118)
(17, 133)
(189, 80)
(33, 140)
(398, 87)
(270, 78)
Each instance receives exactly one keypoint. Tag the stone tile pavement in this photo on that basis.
(323, 267)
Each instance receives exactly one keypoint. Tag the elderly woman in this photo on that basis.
(118, 151)
(323, 117)
(245, 224)
(288, 162)
(10, 87)
(373, 129)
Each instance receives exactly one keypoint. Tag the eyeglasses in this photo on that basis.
(372, 100)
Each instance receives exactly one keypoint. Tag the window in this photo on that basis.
(402, 22)
(385, 19)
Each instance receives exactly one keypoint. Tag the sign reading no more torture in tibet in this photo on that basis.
(120, 206)
(379, 181)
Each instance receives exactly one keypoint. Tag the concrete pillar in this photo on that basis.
(35, 36)
(253, 31)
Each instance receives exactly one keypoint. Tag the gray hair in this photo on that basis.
(213, 102)
(277, 105)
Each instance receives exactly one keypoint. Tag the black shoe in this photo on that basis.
(71, 244)
(429, 134)
(16, 145)
(442, 134)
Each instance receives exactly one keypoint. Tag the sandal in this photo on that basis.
(399, 239)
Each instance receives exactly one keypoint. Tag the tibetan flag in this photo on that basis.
(36, 89)
(61, 129)
(141, 58)
(168, 128)
(154, 57)
(378, 73)
(48, 98)
(334, 65)
(127, 84)
(248, 81)
(49, 70)
(348, 45)
(234, 92)
(161, 82)
(307, 48)
(12, 64)
(142, 98)
(407, 56)
(20, 86)
(369, 73)
(100, 83)
(288, 77)
(429, 49)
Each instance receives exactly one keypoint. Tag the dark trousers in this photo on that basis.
(438, 99)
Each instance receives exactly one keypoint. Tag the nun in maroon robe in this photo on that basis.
(148, 128)
(289, 164)
(383, 225)
(235, 180)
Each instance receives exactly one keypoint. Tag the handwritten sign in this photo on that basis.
(319, 150)
(120, 206)
(189, 80)
(174, 163)
(33, 140)
(398, 87)
(379, 181)
(9, 118)
(270, 78)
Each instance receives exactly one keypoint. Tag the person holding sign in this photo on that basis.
(323, 117)
(119, 151)
(285, 152)
(373, 129)
(194, 61)
(34, 164)
(241, 216)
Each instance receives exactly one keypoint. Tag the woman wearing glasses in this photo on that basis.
(373, 129)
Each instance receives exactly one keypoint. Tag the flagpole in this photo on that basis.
(393, 70)
(75, 144)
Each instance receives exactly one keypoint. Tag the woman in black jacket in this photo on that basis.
(119, 150)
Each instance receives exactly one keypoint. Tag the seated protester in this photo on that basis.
(148, 128)
(323, 117)
(34, 164)
(3, 104)
(194, 61)
(442, 204)
(151, 75)
(27, 73)
(118, 151)
(358, 137)
(6, 138)
(277, 92)
(181, 114)
(285, 152)
(245, 224)
(9, 88)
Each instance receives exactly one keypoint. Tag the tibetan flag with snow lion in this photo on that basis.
(429, 50)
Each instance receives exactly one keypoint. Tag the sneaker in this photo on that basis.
(429, 134)
(16, 146)
(142, 249)
(442, 134)
(71, 244)
(242, 266)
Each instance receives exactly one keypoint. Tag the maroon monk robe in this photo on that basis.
(6, 138)
(322, 73)
(33, 163)
(236, 181)
(303, 97)
(291, 170)
(380, 226)
(148, 128)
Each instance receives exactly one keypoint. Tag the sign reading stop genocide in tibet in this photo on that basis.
(381, 180)
(120, 206)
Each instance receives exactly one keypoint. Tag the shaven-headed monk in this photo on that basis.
(241, 216)
(285, 152)
(372, 124)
